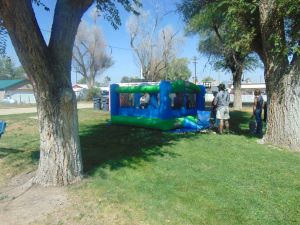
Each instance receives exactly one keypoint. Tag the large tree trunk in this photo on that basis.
(282, 80)
(284, 109)
(237, 82)
(49, 69)
(60, 156)
(90, 80)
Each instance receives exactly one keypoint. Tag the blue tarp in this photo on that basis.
(2, 127)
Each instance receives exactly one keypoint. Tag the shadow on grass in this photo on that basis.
(7, 151)
(119, 146)
(239, 121)
(19, 155)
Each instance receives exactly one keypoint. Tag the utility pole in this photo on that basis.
(195, 64)
(76, 76)
(141, 75)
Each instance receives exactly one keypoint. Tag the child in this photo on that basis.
(144, 101)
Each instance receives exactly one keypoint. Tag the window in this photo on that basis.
(177, 100)
(126, 100)
(191, 101)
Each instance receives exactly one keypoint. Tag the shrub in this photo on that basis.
(92, 92)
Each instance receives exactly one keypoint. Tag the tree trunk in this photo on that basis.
(282, 80)
(284, 110)
(49, 69)
(237, 82)
(60, 157)
(90, 82)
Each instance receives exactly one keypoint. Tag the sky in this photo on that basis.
(119, 42)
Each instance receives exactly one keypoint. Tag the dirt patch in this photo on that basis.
(21, 202)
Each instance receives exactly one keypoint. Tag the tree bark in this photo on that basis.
(284, 109)
(60, 156)
(237, 82)
(282, 80)
(49, 69)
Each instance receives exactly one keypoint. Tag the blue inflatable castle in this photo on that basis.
(165, 105)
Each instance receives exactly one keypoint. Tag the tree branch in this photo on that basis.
(20, 22)
(67, 16)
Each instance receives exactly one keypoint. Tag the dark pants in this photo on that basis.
(258, 121)
(144, 105)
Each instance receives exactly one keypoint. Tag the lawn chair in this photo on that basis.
(2, 127)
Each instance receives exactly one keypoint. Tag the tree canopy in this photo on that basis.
(8, 70)
(207, 19)
(126, 79)
(271, 28)
(177, 69)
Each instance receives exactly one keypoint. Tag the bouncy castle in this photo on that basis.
(165, 105)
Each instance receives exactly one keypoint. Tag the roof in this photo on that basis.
(80, 86)
(251, 85)
(6, 84)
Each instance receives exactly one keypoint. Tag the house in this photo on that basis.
(246, 88)
(19, 91)
(249, 88)
(79, 87)
(80, 90)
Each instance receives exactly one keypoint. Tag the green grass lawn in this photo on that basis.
(140, 176)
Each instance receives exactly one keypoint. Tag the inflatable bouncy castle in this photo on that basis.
(165, 105)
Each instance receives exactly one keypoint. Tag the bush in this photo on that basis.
(92, 92)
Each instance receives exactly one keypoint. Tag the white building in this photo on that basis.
(18, 91)
(247, 92)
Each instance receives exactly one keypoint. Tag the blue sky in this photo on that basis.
(124, 61)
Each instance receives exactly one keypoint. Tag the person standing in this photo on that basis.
(258, 106)
(213, 111)
(222, 103)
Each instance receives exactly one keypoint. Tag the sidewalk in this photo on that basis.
(11, 111)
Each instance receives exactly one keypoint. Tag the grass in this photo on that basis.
(16, 105)
(140, 176)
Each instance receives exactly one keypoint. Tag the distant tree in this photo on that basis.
(208, 79)
(90, 57)
(106, 80)
(92, 92)
(126, 79)
(205, 18)
(48, 66)
(154, 47)
(82, 81)
(227, 59)
(8, 70)
(97, 84)
(177, 69)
